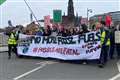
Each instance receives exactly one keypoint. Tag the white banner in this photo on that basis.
(85, 46)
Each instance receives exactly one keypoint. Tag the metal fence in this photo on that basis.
(3, 39)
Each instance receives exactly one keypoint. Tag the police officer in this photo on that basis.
(12, 44)
(105, 42)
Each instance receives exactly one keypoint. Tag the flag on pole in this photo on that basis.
(90, 10)
(2, 1)
(57, 16)
(47, 20)
(107, 20)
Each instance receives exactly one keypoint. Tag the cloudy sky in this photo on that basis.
(18, 12)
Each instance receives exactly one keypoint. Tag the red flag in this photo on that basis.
(47, 20)
(107, 20)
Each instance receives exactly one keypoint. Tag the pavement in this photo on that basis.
(27, 68)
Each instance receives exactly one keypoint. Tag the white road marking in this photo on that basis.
(43, 64)
(29, 72)
(118, 75)
(115, 77)
(118, 65)
(48, 62)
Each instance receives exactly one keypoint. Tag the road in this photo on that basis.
(27, 68)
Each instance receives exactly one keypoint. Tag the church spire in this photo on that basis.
(71, 10)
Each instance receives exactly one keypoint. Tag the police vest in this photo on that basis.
(104, 39)
(11, 39)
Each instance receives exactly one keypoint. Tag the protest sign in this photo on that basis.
(47, 20)
(57, 16)
(84, 46)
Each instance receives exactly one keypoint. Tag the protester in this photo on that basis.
(117, 40)
(112, 41)
(47, 31)
(80, 30)
(75, 31)
(84, 28)
(105, 42)
(65, 33)
(60, 32)
(93, 27)
(54, 32)
(12, 44)
(71, 31)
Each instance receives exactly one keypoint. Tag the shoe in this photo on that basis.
(101, 66)
(112, 58)
(84, 63)
(118, 57)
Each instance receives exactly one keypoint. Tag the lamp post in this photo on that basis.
(31, 17)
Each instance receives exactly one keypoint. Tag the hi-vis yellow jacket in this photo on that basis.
(11, 39)
(103, 39)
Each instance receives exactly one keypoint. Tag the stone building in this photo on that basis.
(115, 17)
(71, 19)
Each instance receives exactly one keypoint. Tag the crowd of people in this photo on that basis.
(107, 38)
(64, 32)
(55, 30)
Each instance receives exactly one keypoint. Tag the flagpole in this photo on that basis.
(88, 10)
(32, 12)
